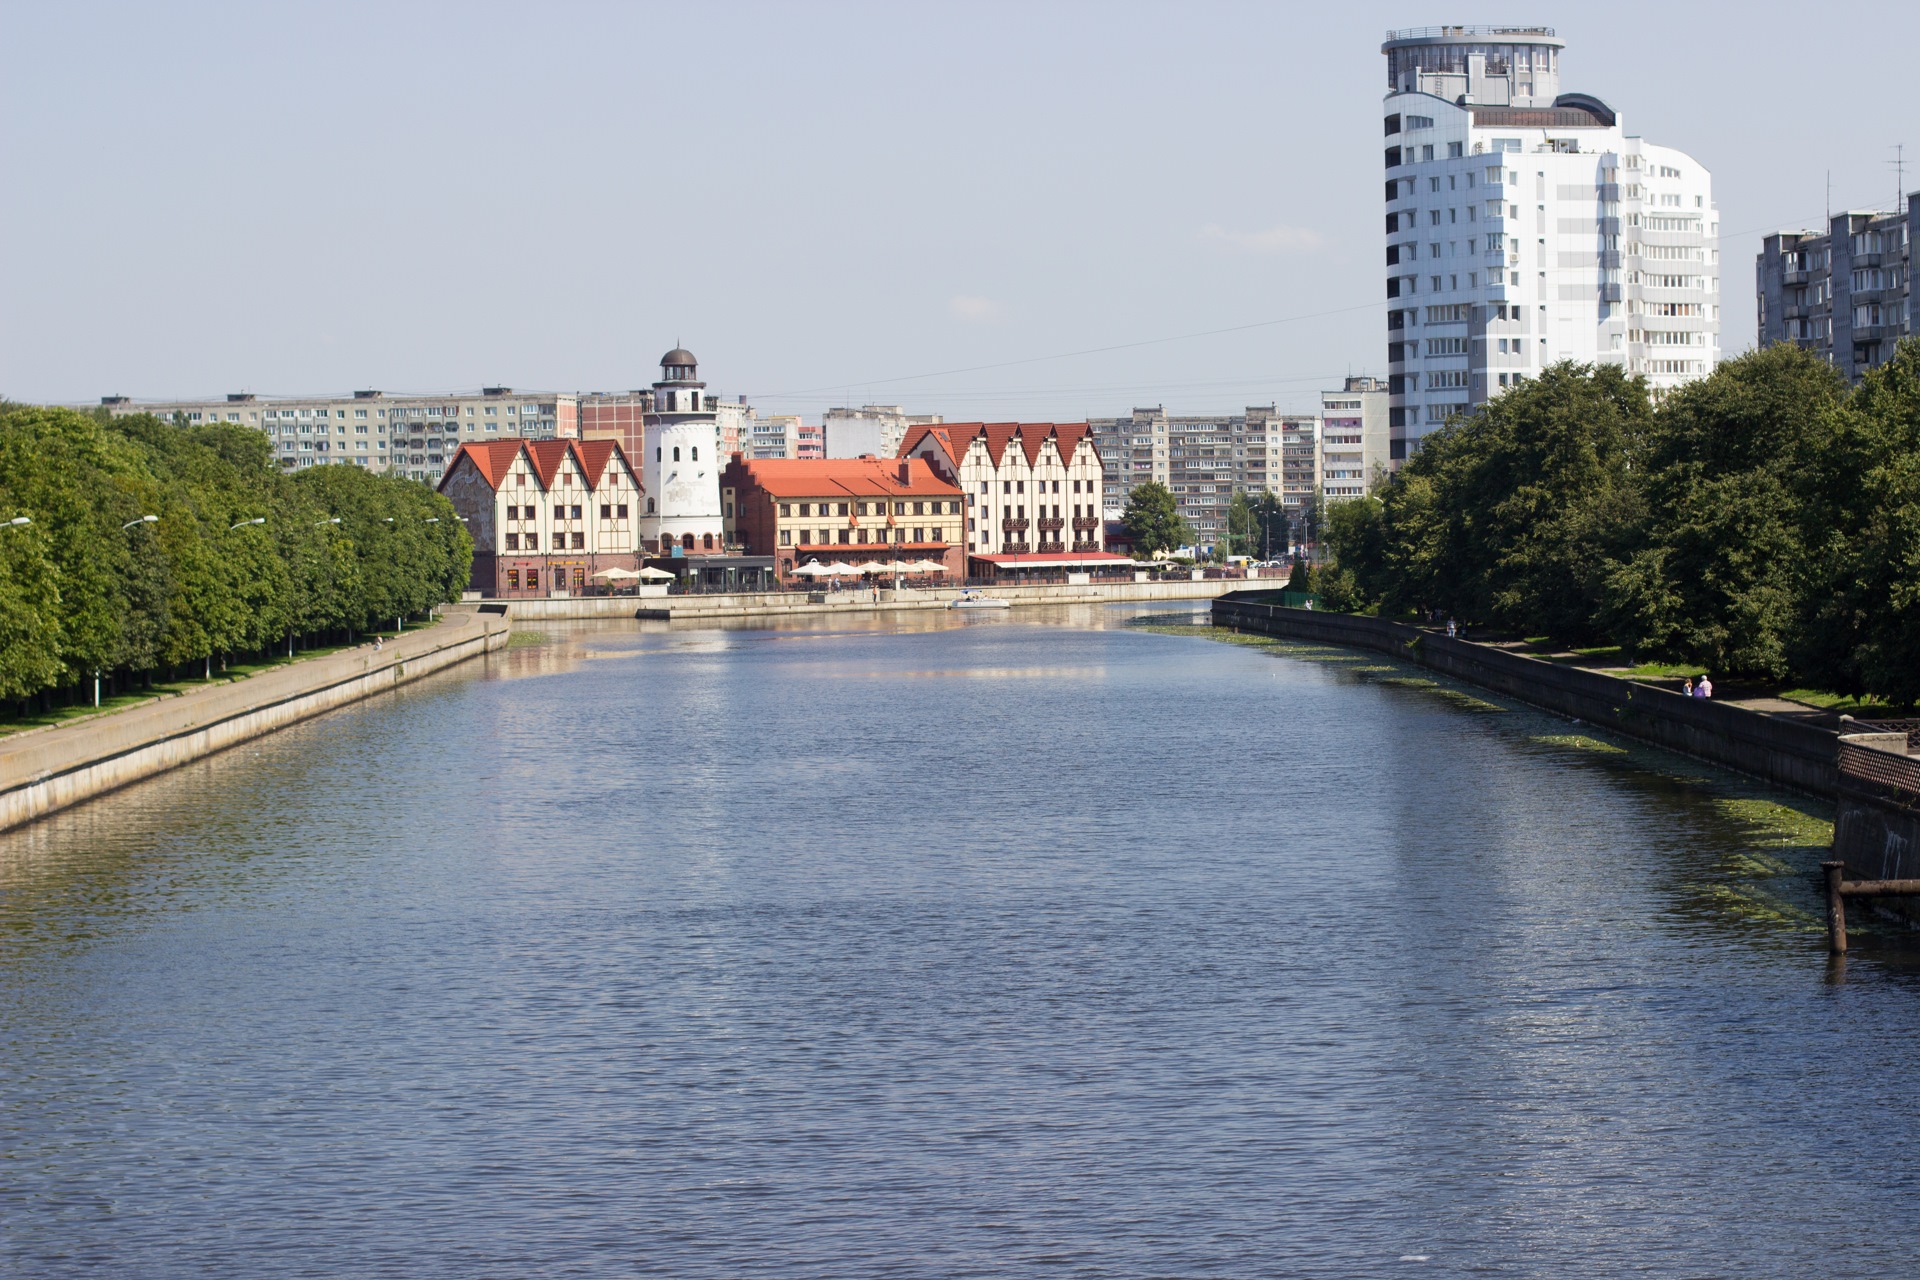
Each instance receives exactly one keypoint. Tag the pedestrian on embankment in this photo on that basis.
(1705, 688)
(1687, 688)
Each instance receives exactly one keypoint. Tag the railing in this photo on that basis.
(1898, 773)
(1437, 33)
(1051, 524)
(1049, 548)
(1909, 727)
(1014, 524)
(1016, 549)
(1086, 522)
(1088, 546)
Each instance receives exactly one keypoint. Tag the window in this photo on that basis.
(576, 513)
(606, 511)
(786, 537)
(533, 543)
(533, 575)
(694, 453)
(579, 541)
(513, 579)
(621, 511)
(786, 508)
(513, 542)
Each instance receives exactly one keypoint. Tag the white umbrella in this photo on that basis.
(619, 575)
(927, 566)
(653, 573)
(841, 566)
(812, 569)
(875, 566)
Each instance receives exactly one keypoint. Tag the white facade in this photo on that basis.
(1032, 488)
(1354, 440)
(876, 429)
(1526, 226)
(682, 465)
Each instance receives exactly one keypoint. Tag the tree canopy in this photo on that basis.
(238, 557)
(1762, 521)
(1153, 520)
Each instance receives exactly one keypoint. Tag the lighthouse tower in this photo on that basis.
(682, 464)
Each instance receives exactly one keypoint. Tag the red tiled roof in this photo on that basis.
(958, 437)
(494, 458)
(860, 477)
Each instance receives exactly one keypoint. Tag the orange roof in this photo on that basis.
(494, 458)
(859, 477)
(958, 437)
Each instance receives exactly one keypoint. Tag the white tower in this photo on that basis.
(682, 462)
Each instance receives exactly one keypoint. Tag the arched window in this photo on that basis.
(649, 506)
(656, 458)
(706, 541)
(695, 399)
(686, 541)
(676, 453)
(695, 451)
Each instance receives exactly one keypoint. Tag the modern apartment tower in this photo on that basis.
(1846, 294)
(1525, 226)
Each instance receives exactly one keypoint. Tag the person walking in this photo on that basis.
(1705, 688)
(1452, 629)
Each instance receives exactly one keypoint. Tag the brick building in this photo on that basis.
(545, 515)
(856, 510)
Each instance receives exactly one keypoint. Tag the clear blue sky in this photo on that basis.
(821, 200)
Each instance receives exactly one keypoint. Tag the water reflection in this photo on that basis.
(774, 951)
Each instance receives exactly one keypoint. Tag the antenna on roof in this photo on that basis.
(1829, 197)
(1899, 163)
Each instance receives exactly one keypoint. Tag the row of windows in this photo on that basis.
(608, 511)
(869, 508)
(859, 537)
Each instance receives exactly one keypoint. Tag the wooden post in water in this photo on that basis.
(1836, 909)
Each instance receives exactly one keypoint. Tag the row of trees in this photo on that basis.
(132, 545)
(1763, 521)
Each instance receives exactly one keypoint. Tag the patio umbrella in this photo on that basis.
(811, 569)
(619, 575)
(875, 566)
(653, 573)
(841, 566)
(927, 566)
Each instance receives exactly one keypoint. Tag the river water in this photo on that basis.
(1025, 945)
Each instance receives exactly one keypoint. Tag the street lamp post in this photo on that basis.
(139, 520)
(16, 522)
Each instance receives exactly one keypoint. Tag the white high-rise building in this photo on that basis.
(1525, 226)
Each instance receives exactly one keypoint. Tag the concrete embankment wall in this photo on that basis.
(48, 769)
(789, 604)
(1779, 751)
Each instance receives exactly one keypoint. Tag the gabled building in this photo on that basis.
(546, 515)
(852, 510)
(1032, 488)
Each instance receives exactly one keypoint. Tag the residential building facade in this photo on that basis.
(875, 430)
(1299, 439)
(413, 436)
(856, 511)
(1845, 294)
(545, 515)
(1203, 460)
(1032, 488)
(1354, 439)
(1525, 226)
(773, 435)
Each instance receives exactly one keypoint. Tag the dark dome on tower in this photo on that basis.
(679, 357)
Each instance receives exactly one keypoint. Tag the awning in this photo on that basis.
(1086, 560)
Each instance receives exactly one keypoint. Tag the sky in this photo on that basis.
(1035, 211)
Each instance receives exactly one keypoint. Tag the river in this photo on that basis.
(1036, 944)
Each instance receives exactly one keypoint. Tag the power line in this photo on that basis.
(846, 383)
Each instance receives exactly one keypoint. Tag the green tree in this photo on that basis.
(1271, 526)
(1153, 520)
(1514, 514)
(1735, 531)
(1355, 547)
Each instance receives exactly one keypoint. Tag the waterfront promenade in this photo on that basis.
(42, 770)
(797, 604)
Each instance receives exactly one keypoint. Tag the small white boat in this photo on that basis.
(974, 600)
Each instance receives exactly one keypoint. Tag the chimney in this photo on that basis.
(906, 472)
